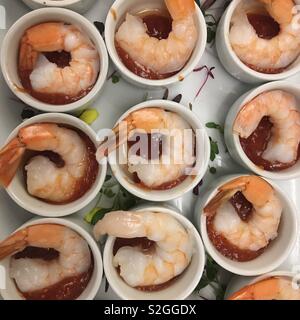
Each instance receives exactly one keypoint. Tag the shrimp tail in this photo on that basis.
(10, 158)
(13, 244)
(180, 9)
(280, 10)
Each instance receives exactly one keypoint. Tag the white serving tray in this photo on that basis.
(212, 105)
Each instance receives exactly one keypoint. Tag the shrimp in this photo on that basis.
(281, 108)
(177, 155)
(172, 253)
(274, 288)
(161, 56)
(46, 179)
(250, 233)
(48, 77)
(35, 274)
(266, 55)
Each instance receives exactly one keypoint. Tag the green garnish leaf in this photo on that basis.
(115, 79)
(214, 149)
(99, 215)
(213, 125)
(89, 116)
(212, 170)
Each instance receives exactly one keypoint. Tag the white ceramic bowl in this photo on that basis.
(190, 182)
(17, 189)
(237, 283)
(233, 141)
(179, 289)
(77, 225)
(117, 15)
(231, 61)
(80, 6)
(277, 251)
(10, 50)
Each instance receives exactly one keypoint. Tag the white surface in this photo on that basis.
(211, 105)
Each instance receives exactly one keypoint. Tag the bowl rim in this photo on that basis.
(258, 75)
(91, 32)
(107, 253)
(164, 195)
(222, 260)
(178, 77)
(85, 199)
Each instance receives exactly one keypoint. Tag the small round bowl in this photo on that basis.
(275, 254)
(10, 51)
(179, 289)
(17, 189)
(233, 141)
(237, 283)
(80, 6)
(231, 61)
(117, 15)
(11, 292)
(203, 147)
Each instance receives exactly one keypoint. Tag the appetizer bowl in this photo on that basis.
(18, 191)
(274, 254)
(117, 15)
(181, 288)
(76, 224)
(237, 283)
(10, 51)
(231, 61)
(80, 6)
(203, 152)
(233, 141)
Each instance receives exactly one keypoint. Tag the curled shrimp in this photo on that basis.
(48, 77)
(238, 237)
(270, 55)
(273, 288)
(172, 252)
(177, 155)
(35, 274)
(46, 179)
(281, 108)
(162, 56)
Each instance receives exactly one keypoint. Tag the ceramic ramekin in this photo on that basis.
(117, 15)
(203, 148)
(77, 225)
(278, 250)
(231, 61)
(237, 283)
(80, 6)
(181, 288)
(233, 141)
(17, 189)
(10, 50)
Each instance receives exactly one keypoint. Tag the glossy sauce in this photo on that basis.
(146, 246)
(62, 60)
(159, 26)
(266, 28)
(244, 209)
(255, 145)
(153, 151)
(68, 289)
(83, 185)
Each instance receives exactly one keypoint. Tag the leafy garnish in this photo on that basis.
(89, 116)
(114, 77)
(212, 170)
(166, 94)
(213, 125)
(211, 278)
(117, 198)
(197, 188)
(209, 74)
(178, 98)
(214, 149)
